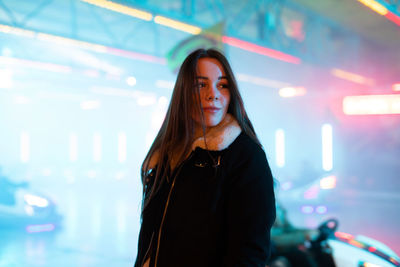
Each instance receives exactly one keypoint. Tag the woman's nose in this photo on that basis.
(212, 93)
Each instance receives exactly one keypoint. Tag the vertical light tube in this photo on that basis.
(327, 158)
(96, 147)
(25, 147)
(122, 147)
(280, 148)
(73, 147)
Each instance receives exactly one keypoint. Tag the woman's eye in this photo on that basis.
(223, 85)
(201, 85)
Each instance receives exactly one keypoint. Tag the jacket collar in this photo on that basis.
(219, 137)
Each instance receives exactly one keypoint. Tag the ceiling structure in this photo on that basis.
(340, 34)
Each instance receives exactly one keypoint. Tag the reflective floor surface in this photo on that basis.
(101, 224)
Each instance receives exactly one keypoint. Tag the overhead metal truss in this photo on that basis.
(269, 23)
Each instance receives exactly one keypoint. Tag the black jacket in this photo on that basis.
(219, 213)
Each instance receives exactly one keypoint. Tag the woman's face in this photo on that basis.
(213, 87)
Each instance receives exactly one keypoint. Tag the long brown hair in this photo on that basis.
(173, 141)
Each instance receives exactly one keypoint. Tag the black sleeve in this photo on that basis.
(250, 212)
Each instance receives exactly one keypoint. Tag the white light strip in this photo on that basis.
(96, 147)
(280, 147)
(327, 157)
(25, 145)
(73, 147)
(123, 9)
(122, 147)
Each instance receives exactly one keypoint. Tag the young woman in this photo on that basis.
(208, 196)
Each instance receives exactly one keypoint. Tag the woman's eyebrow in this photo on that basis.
(206, 78)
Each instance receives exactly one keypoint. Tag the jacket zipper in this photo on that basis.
(166, 207)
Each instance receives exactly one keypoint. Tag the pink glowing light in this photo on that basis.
(261, 50)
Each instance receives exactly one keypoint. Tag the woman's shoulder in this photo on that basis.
(244, 151)
(244, 145)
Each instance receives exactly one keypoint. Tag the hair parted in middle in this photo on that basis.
(176, 135)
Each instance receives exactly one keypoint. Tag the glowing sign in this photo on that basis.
(371, 104)
(292, 91)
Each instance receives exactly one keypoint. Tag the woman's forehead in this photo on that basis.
(209, 67)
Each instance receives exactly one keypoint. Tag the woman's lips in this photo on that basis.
(211, 110)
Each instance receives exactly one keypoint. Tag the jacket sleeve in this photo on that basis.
(250, 213)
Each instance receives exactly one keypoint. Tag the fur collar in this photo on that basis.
(220, 136)
(217, 138)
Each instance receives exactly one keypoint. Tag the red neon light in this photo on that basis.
(395, 19)
(372, 249)
(260, 50)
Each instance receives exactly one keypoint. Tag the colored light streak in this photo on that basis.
(393, 18)
(82, 44)
(343, 235)
(356, 243)
(33, 200)
(396, 87)
(328, 182)
(349, 76)
(381, 10)
(371, 104)
(25, 147)
(122, 147)
(375, 6)
(372, 249)
(367, 264)
(123, 9)
(327, 150)
(40, 228)
(73, 147)
(177, 25)
(292, 91)
(280, 148)
(96, 147)
(260, 50)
